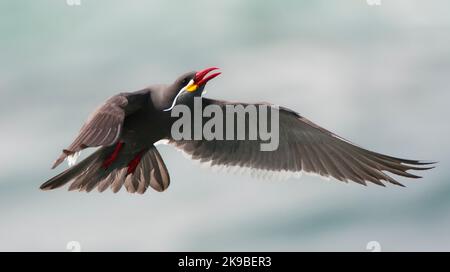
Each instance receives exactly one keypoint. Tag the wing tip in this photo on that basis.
(47, 186)
(418, 162)
(43, 188)
(395, 182)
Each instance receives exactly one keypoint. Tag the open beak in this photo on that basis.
(201, 79)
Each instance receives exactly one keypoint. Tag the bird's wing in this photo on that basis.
(303, 147)
(104, 126)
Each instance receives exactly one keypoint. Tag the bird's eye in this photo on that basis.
(185, 81)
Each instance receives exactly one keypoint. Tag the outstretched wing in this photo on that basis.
(303, 147)
(104, 126)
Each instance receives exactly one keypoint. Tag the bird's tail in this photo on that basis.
(74, 172)
(135, 174)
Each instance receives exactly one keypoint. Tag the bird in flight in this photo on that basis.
(127, 126)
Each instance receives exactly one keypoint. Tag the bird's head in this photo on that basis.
(194, 82)
(191, 84)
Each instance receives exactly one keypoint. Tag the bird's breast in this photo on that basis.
(145, 127)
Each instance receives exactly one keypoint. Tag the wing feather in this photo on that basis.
(102, 128)
(303, 146)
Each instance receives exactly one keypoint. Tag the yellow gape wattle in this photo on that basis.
(192, 87)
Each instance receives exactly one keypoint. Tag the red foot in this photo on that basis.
(113, 156)
(133, 164)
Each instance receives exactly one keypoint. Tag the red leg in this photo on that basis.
(113, 156)
(132, 165)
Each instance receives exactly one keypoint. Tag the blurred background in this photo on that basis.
(375, 74)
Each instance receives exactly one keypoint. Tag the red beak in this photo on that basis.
(200, 78)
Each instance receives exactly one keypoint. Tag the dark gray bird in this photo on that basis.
(127, 125)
